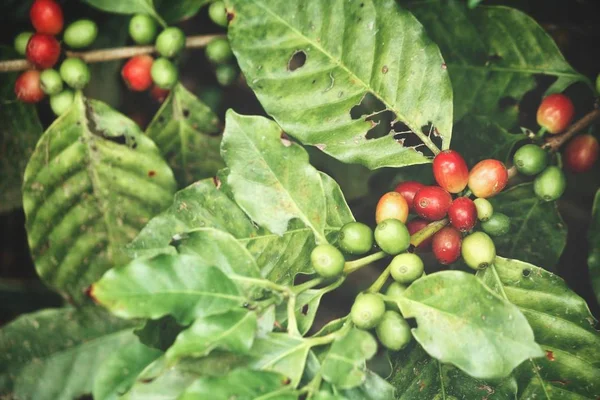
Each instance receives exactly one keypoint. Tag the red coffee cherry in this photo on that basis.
(159, 94)
(581, 153)
(136, 73)
(432, 202)
(43, 50)
(46, 16)
(555, 113)
(450, 171)
(488, 178)
(463, 214)
(28, 87)
(415, 226)
(446, 245)
(391, 205)
(408, 190)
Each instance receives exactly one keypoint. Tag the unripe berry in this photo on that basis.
(218, 51)
(488, 178)
(408, 190)
(432, 202)
(484, 209)
(218, 13)
(391, 205)
(581, 153)
(478, 250)
(367, 310)
(392, 236)
(450, 171)
(355, 238)
(327, 261)
(46, 16)
(21, 41)
(136, 73)
(226, 74)
(395, 290)
(170, 42)
(61, 102)
(75, 73)
(142, 29)
(555, 113)
(28, 88)
(463, 214)
(164, 73)
(393, 331)
(497, 225)
(446, 245)
(550, 184)
(159, 94)
(51, 81)
(81, 33)
(406, 268)
(414, 226)
(530, 159)
(43, 50)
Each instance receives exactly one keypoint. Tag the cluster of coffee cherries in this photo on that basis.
(42, 49)
(218, 50)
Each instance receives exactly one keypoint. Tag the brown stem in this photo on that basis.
(103, 55)
(553, 143)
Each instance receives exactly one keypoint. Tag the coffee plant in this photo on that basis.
(375, 216)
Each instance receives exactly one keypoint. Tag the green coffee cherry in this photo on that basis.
(142, 29)
(218, 51)
(81, 33)
(484, 209)
(62, 101)
(392, 236)
(164, 73)
(170, 42)
(550, 184)
(406, 268)
(75, 73)
(497, 225)
(355, 238)
(50, 81)
(395, 290)
(226, 74)
(393, 331)
(21, 42)
(367, 310)
(327, 261)
(218, 13)
(478, 250)
(530, 160)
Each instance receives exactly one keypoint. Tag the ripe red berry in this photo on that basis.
(463, 214)
(391, 206)
(28, 87)
(159, 94)
(43, 50)
(408, 190)
(450, 171)
(415, 226)
(446, 245)
(136, 73)
(46, 16)
(432, 202)
(581, 153)
(488, 178)
(555, 113)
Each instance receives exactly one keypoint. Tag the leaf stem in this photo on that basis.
(355, 265)
(292, 323)
(307, 285)
(378, 284)
(419, 237)
(322, 340)
(554, 142)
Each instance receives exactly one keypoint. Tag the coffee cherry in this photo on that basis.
(21, 41)
(395, 290)
(159, 94)
(164, 73)
(355, 238)
(136, 73)
(392, 236)
(432, 202)
(51, 81)
(550, 184)
(327, 260)
(463, 214)
(408, 190)
(170, 42)
(367, 310)
(488, 178)
(530, 159)
(28, 88)
(415, 226)
(142, 29)
(484, 209)
(81, 33)
(555, 113)
(75, 72)
(46, 16)
(218, 13)
(581, 153)
(478, 250)
(391, 205)
(226, 74)
(450, 171)
(43, 50)
(218, 51)
(406, 268)
(393, 331)
(497, 225)
(62, 101)
(446, 245)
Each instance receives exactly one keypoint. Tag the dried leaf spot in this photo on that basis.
(230, 15)
(444, 66)
(151, 173)
(385, 69)
(217, 182)
(297, 60)
(285, 140)
(321, 146)
(286, 381)
(550, 355)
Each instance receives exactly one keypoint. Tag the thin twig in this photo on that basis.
(553, 143)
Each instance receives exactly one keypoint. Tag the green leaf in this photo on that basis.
(181, 286)
(344, 365)
(462, 322)
(242, 384)
(177, 10)
(93, 181)
(493, 55)
(307, 304)
(54, 354)
(537, 232)
(126, 7)
(188, 135)
(563, 326)
(594, 240)
(311, 64)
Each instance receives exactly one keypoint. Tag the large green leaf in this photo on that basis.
(176, 10)
(594, 240)
(54, 354)
(493, 55)
(462, 322)
(311, 63)
(563, 326)
(537, 232)
(93, 181)
(126, 7)
(187, 133)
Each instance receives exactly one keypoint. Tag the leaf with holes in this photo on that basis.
(311, 63)
(537, 232)
(594, 240)
(307, 304)
(187, 133)
(93, 181)
(491, 76)
(563, 326)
